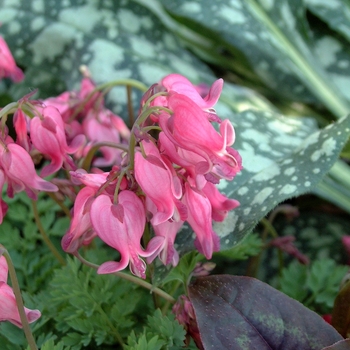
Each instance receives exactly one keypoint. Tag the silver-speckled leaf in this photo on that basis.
(336, 13)
(333, 53)
(275, 39)
(282, 158)
(115, 39)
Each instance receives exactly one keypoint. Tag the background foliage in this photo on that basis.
(286, 70)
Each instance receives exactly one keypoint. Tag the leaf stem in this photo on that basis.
(44, 236)
(132, 279)
(16, 290)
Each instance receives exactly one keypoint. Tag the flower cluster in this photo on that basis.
(166, 177)
(152, 178)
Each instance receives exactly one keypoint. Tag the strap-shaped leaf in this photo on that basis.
(275, 39)
(335, 13)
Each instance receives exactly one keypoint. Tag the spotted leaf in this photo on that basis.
(275, 39)
(282, 158)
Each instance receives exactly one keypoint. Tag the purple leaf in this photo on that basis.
(238, 312)
(340, 345)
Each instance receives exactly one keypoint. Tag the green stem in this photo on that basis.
(88, 159)
(120, 179)
(10, 108)
(45, 237)
(16, 290)
(174, 289)
(132, 279)
(130, 106)
(141, 118)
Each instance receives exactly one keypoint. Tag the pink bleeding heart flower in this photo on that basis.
(163, 243)
(17, 169)
(189, 129)
(159, 181)
(3, 269)
(121, 226)
(64, 102)
(195, 165)
(8, 67)
(104, 126)
(220, 204)
(48, 137)
(80, 231)
(8, 307)
(21, 125)
(181, 85)
(200, 219)
(80, 176)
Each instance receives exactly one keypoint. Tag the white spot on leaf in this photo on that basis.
(231, 15)
(262, 195)
(267, 174)
(242, 191)
(288, 189)
(227, 226)
(327, 149)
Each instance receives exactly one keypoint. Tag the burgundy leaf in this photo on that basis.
(340, 345)
(238, 312)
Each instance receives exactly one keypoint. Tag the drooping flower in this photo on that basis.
(48, 137)
(21, 125)
(80, 231)
(181, 85)
(187, 128)
(121, 226)
(163, 244)
(8, 307)
(104, 126)
(8, 67)
(220, 204)
(200, 218)
(17, 169)
(159, 181)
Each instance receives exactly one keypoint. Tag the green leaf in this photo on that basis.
(316, 286)
(275, 41)
(318, 233)
(293, 281)
(335, 13)
(167, 328)
(324, 281)
(282, 158)
(251, 245)
(114, 39)
(142, 344)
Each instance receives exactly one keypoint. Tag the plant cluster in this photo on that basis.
(126, 152)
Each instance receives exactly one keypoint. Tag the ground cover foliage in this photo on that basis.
(283, 254)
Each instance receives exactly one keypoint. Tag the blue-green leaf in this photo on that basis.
(282, 158)
(275, 39)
